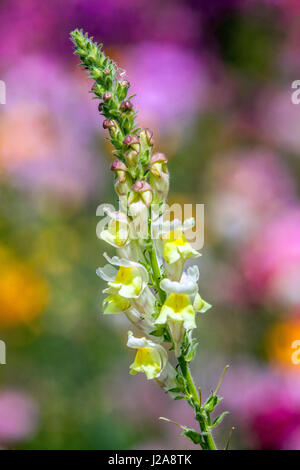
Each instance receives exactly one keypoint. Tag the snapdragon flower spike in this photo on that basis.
(146, 282)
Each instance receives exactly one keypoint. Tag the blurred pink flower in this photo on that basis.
(248, 188)
(48, 129)
(38, 28)
(33, 22)
(131, 21)
(171, 84)
(265, 406)
(279, 118)
(271, 261)
(18, 416)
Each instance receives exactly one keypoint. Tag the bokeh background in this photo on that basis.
(213, 80)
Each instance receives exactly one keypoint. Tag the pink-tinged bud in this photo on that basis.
(141, 186)
(106, 71)
(131, 154)
(123, 181)
(108, 124)
(124, 83)
(158, 157)
(130, 140)
(118, 165)
(107, 96)
(144, 190)
(126, 105)
(159, 176)
(121, 74)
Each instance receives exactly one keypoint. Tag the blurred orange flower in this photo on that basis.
(23, 293)
(279, 343)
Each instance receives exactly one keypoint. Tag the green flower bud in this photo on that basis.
(146, 140)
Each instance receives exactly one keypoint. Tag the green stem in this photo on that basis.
(156, 274)
(207, 437)
(154, 263)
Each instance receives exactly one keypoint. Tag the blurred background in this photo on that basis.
(213, 80)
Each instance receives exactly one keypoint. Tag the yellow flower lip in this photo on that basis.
(129, 280)
(176, 247)
(128, 277)
(147, 360)
(178, 302)
(115, 304)
(124, 275)
(151, 358)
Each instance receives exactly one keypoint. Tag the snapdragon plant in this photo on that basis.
(146, 280)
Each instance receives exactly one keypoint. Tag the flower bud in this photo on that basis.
(107, 96)
(126, 105)
(131, 141)
(123, 181)
(132, 149)
(108, 124)
(144, 190)
(121, 74)
(159, 176)
(146, 141)
(124, 83)
(146, 135)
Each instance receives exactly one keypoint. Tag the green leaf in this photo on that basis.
(191, 352)
(212, 402)
(219, 419)
(193, 435)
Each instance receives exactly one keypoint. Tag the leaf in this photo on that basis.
(191, 352)
(212, 402)
(175, 390)
(219, 419)
(193, 435)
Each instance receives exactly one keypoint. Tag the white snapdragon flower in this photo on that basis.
(174, 247)
(120, 233)
(151, 359)
(128, 281)
(180, 307)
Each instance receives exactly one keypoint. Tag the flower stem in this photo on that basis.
(208, 442)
